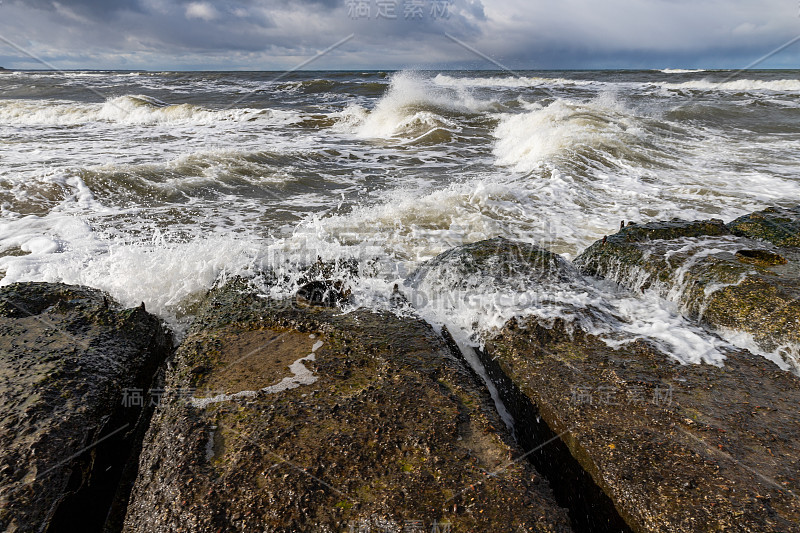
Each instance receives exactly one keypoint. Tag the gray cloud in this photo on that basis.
(264, 34)
(88, 8)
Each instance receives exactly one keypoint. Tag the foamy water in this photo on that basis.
(152, 186)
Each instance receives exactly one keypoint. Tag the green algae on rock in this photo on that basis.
(478, 285)
(730, 282)
(302, 418)
(67, 356)
(672, 447)
(499, 261)
(777, 225)
(677, 448)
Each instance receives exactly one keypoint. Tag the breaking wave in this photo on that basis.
(736, 85)
(526, 140)
(412, 108)
(680, 71)
(128, 109)
(444, 80)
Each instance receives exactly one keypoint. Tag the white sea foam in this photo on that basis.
(64, 247)
(676, 292)
(680, 70)
(526, 140)
(562, 171)
(651, 318)
(586, 160)
(128, 110)
(411, 106)
(506, 81)
(300, 376)
(786, 357)
(482, 307)
(737, 85)
(414, 225)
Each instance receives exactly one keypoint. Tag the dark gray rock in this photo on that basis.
(777, 225)
(677, 448)
(67, 356)
(672, 447)
(728, 281)
(498, 262)
(381, 427)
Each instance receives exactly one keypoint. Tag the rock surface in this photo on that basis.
(67, 354)
(676, 447)
(287, 417)
(499, 262)
(673, 447)
(718, 274)
(777, 225)
(528, 273)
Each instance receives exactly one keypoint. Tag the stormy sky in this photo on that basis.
(390, 34)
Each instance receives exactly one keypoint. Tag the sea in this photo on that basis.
(155, 186)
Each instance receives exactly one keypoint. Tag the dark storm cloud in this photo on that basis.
(330, 4)
(91, 8)
(281, 33)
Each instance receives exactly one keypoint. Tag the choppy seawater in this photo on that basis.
(151, 186)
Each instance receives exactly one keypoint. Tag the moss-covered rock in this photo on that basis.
(670, 447)
(777, 225)
(732, 283)
(287, 417)
(677, 448)
(68, 357)
(499, 262)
